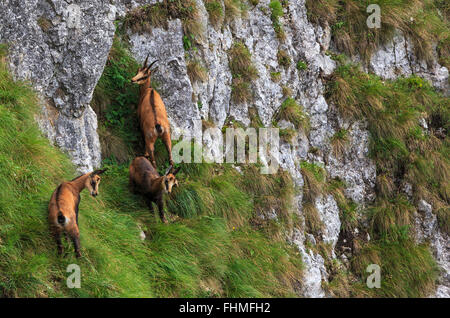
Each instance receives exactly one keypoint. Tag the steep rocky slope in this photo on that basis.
(62, 48)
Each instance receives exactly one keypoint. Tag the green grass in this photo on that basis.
(291, 111)
(283, 58)
(215, 12)
(339, 142)
(212, 247)
(402, 151)
(144, 18)
(301, 66)
(235, 9)
(407, 270)
(115, 101)
(420, 20)
(277, 12)
(243, 72)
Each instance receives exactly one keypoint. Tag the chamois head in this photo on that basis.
(170, 180)
(143, 73)
(93, 181)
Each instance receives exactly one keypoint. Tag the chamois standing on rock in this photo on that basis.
(145, 180)
(63, 207)
(152, 114)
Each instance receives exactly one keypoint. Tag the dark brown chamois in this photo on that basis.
(145, 180)
(152, 114)
(63, 207)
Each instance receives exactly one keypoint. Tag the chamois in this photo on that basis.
(145, 180)
(152, 114)
(63, 207)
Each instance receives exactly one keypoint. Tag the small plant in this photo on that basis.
(313, 222)
(301, 66)
(196, 71)
(275, 76)
(234, 9)
(314, 177)
(287, 135)
(339, 141)
(215, 12)
(284, 58)
(277, 12)
(44, 24)
(255, 120)
(347, 208)
(286, 90)
(293, 112)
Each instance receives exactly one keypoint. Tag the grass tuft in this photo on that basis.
(243, 72)
(291, 111)
(277, 12)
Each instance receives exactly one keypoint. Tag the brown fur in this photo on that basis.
(152, 115)
(63, 208)
(145, 180)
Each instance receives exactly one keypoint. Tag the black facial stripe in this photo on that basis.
(143, 78)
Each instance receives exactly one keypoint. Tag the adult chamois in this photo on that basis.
(152, 114)
(145, 180)
(63, 207)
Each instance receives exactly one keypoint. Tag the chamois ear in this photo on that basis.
(168, 170)
(176, 171)
(98, 172)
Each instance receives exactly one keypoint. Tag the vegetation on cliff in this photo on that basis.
(215, 244)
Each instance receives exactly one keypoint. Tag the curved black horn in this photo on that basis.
(151, 65)
(168, 170)
(146, 59)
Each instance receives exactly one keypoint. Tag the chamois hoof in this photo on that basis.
(77, 254)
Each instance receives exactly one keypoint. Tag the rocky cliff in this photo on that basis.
(62, 47)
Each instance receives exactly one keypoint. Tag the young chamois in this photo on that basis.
(63, 207)
(145, 180)
(152, 114)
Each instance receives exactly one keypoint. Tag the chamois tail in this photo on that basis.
(61, 219)
(158, 128)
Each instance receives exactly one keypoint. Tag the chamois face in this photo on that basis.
(170, 181)
(93, 181)
(142, 75)
(92, 185)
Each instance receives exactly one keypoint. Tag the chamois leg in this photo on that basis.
(168, 143)
(75, 236)
(161, 209)
(150, 153)
(132, 186)
(149, 202)
(57, 236)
